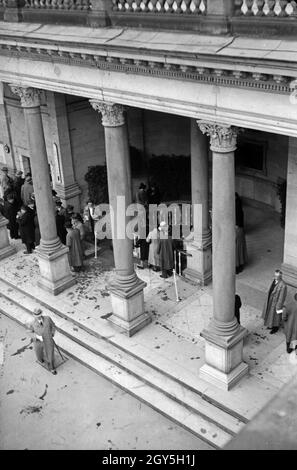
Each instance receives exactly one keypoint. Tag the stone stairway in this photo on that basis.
(134, 373)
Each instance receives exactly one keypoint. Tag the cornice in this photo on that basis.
(265, 82)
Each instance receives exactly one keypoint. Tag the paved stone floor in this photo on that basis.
(75, 409)
(173, 338)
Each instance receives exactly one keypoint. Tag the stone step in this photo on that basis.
(161, 367)
(198, 416)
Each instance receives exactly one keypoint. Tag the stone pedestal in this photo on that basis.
(55, 274)
(126, 289)
(128, 307)
(224, 365)
(5, 248)
(199, 265)
(54, 270)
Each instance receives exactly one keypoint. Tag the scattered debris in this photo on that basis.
(44, 393)
(31, 409)
(9, 392)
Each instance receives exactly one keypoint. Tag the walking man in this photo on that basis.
(289, 317)
(274, 303)
(44, 329)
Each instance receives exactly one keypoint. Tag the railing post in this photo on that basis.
(99, 15)
(13, 11)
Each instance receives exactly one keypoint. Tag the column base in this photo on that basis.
(54, 270)
(128, 309)
(223, 366)
(199, 265)
(289, 274)
(5, 248)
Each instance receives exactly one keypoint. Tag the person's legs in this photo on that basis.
(164, 274)
(274, 330)
(38, 347)
(289, 350)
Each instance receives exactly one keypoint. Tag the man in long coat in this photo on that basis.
(44, 329)
(274, 303)
(75, 255)
(27, 190)
(10, 212)
(165, 251)
(25, 219)
(289, 317)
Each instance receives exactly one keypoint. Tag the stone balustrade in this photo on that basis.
(160, 6)
(266, 8)
(59, 4)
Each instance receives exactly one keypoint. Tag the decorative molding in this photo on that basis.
(112, 114)
(222, 138)
(271, 83)
(30, 97)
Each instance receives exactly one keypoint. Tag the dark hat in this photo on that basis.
(37, 312)
(59, 203)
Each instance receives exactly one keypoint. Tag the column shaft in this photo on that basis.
(55, 275)
(199, 263)
(289, 266)
(126, 289)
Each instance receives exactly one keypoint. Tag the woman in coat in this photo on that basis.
(73, 242)
(153, 239)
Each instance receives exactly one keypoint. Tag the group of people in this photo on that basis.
(147, 196)
(19, 208)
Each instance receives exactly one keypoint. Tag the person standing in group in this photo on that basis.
(44, 329)
(17, 185)
(289, 317)
(73, 242)
(25, 219)
(241, 250)
(165, 251)
(60, 223)
(141, 195)
(237, 307)
(153, 194)
(5, 182)
(27, 190)
(274, 303)
(10, 213)
(153, 239)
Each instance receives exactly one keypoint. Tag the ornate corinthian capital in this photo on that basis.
(112, 114)
(222, 138)
(30, 97)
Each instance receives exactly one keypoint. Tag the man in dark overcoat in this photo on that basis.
(25, 219)
(165, 251)
(10, 213)
(274, 303)
(44, 329)
(289, 317)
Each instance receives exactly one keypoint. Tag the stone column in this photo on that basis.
(224, 366)
(289, 266)
(55, 275)
(199, 264)
(65, 183)
(126, 289)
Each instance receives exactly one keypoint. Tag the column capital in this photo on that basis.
(112, 113)
(30, 97)
(222, 137)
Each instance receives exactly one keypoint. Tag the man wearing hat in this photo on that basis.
(27, 189)
(44, 329)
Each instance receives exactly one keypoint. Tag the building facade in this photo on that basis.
(213, 81)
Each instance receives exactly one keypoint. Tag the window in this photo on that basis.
(250, 156)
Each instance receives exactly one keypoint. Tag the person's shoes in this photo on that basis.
(54, 372)
(274, 330)
(164, 277)
(140, 266)
(170, 274)
(26, 252)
